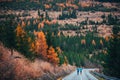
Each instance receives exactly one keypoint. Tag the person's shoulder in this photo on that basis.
(80, 68)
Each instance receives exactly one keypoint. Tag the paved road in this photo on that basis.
(84, 76)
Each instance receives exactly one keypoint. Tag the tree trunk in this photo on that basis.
(11, 52)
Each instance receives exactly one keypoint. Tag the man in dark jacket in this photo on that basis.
(77, 71)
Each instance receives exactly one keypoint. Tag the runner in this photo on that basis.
(77, 71)
(80, 70)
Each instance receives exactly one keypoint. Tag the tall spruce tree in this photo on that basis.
(112, 62)
(39, 13)
(7, 35)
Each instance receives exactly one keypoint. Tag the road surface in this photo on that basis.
(86, 75)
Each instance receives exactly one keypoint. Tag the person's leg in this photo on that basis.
(77, 72)
(80, 72)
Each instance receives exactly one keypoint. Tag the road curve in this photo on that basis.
(86, 75)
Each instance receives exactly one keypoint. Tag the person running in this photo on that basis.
(77, 71)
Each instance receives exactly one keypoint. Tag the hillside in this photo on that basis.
(17, 67)
(48, 39)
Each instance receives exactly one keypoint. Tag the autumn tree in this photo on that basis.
(93, 42)
(65, 61)
(41, 45)
(101, 42)
(106, 38)
(23, 42)
(28, 23)
(58, 34)
(32, 47)
(52, 56)
(59, 50)
(23, 24)
(40, 25)
(60, 55)
(83, 42)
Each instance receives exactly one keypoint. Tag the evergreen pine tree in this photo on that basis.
(112, 61)
(39, 13)
(7, 35)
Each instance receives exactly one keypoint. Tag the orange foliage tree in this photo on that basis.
(107, 38)
(32, 47)
(23, 42)
(19, 31)
(101, 42)
(20, 36)
(52, 56)
(41, 45)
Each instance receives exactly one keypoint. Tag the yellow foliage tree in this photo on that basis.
(41, 45)
(52, 56)
(23, 24)
(101, 42)
(53, 34)
(58, 34)
(93, 42)
(28, 23)
(83, 41)
(58, 50)
(40, 25)
(65, 61)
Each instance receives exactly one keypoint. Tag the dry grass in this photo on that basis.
(12, 68)
(16, 68)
